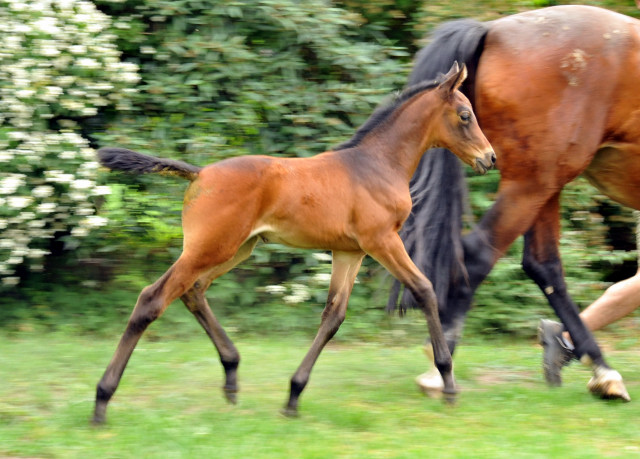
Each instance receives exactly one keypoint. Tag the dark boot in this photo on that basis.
(558, 352)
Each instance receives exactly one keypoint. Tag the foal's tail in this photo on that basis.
(121, 159)
(432, 233)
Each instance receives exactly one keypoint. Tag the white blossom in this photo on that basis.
(299, 294)
(88, 63)
(95, 221)
(322, 256)
(46, 47)
(19, 202)
(43, 191)
(10, 281)
(102, 190)
(79, 231)
(82, 184)
(322, 278)
(46, 207)
(275, 289)
(10, 184)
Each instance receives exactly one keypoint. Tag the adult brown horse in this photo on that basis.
(352, 201)
(573, 107)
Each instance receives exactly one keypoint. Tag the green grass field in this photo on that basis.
(361, 402)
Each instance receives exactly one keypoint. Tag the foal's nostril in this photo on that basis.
(493, 158)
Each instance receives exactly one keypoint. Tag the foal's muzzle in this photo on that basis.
(484, 164)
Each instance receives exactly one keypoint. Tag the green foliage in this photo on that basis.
(58, 66)
(219, 79)
(226, 79)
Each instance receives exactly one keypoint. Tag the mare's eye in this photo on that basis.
(465, 116)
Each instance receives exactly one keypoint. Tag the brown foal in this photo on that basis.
(352, 201)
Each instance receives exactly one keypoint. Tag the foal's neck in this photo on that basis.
(402, 141)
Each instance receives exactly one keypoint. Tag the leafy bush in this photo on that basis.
(222, 79)
(58, 65)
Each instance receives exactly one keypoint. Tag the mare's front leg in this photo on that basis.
(343, 274)
(389, 251)
(541, 261)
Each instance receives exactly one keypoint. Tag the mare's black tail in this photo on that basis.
(432, 233)
(125, 160)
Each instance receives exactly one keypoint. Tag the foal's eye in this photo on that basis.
(465, 116)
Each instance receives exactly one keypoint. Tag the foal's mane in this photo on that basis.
(383, 113)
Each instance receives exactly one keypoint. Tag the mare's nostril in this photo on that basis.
(493, 158)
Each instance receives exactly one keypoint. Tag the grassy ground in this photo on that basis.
(361, 402)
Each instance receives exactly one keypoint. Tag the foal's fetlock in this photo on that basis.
(102, 399)
(230, 387)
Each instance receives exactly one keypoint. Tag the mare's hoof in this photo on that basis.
(431, 384)
(608, 384)
(231, 395)
(556, 351)
(289, 412)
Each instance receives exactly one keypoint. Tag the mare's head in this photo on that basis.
(457, 129)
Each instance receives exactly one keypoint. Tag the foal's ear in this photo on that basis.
(453, 79)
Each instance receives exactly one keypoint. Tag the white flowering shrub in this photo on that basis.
(58, 65)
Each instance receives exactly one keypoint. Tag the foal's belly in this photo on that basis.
(615, 171)
(307, 237)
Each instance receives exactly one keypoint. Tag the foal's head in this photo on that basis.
(457, 129)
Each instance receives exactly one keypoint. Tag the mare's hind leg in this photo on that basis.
(343, 274)
(152, 302)
(194, 299)
(541, 261)
(390, 252)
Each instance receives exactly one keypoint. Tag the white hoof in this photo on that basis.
(607, 383)
(431, 383)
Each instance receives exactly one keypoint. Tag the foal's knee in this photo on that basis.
(425, 294)
(334, 315)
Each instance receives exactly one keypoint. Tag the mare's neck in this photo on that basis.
(401, 142)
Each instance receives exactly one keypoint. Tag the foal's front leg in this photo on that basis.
(389, 251)
(343, 274)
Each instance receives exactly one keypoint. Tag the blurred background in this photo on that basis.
(203, 81)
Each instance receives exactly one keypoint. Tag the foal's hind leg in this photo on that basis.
(389, 251)
(152, 302)
(343, 274)
(194, 299)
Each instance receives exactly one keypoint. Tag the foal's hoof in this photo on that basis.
(99, 414)
(608, 384)
(289, 412)
(450, 396)
(231, 395)
(431, 384)
(97, 420)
